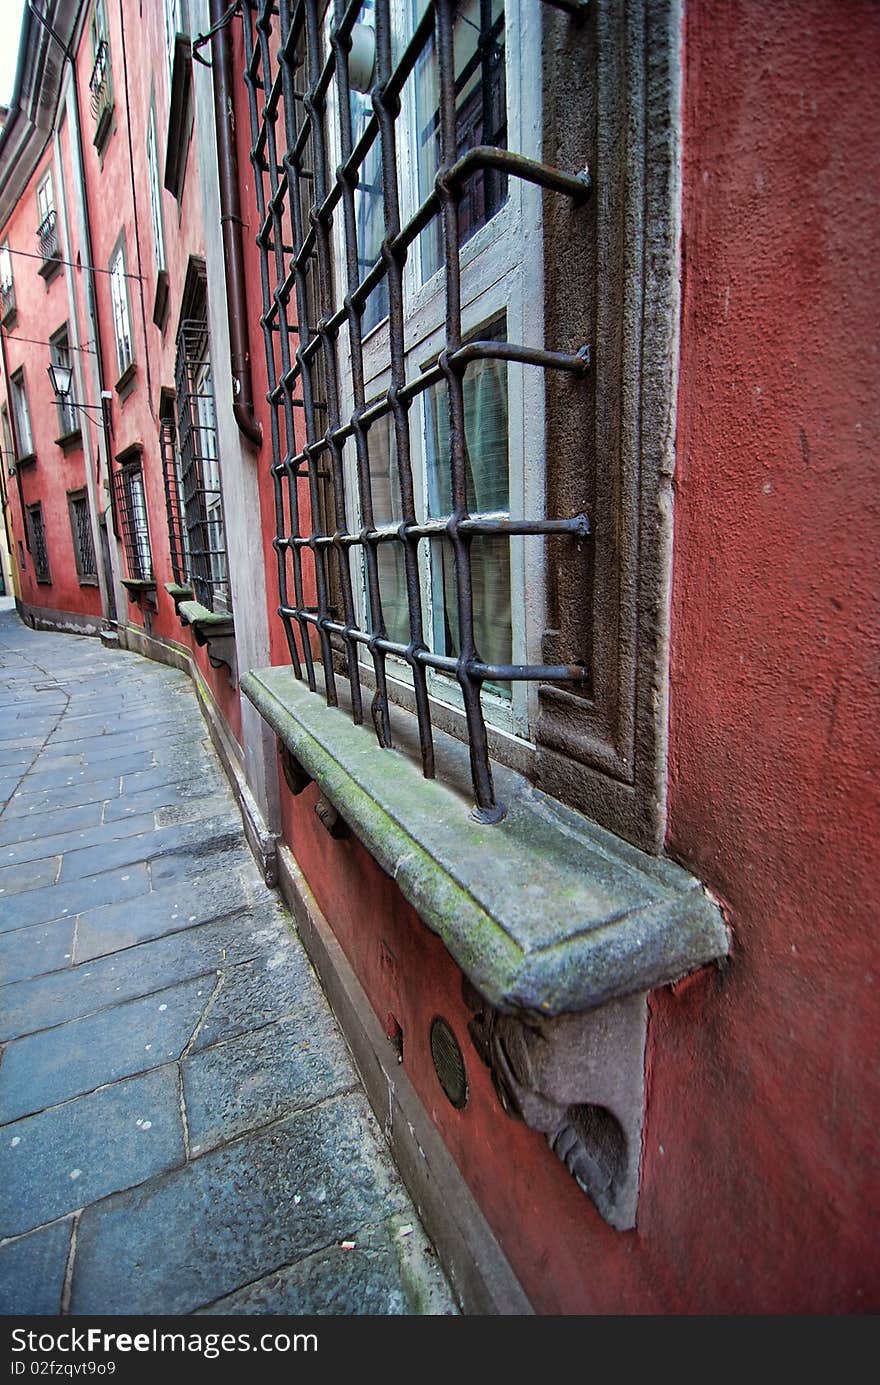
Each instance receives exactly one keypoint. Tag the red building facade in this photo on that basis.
(494, 452)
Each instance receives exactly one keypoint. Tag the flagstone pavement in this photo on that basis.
(181, 1126)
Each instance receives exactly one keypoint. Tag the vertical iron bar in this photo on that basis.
(315, 107)
(355, 313)
(458, 456)
(293, 179)
(387, 108)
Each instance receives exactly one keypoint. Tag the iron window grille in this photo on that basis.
(174, 505)
(131, 510)
(38, 543)
(83, 542)
(101, 91)
(329, 533)
(47, 236)
(203, 534)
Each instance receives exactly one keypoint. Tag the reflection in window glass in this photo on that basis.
(480, 118)
(385, 489)
(488, 492)
(368, 196)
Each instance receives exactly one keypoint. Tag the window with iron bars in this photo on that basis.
(131, 513)
(174, 506)
(401, 272)
(203, 537)
(38, 543)
(47, 230)
(83, 543)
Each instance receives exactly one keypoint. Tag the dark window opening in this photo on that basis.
(38, 543)
(131, 510)
(174, 505)
(203, 536)
(83, 542)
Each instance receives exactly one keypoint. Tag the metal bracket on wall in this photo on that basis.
(579, 1080)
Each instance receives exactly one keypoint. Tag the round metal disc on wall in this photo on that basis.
(449, 1063)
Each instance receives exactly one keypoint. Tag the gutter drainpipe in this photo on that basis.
(230, 222)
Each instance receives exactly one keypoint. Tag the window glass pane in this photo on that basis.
(488, 489)
(22, 418)
(385, 490)
(368, 195)
(119, 297)
(481, 118)
(155, 195)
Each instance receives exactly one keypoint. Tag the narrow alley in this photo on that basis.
(181, 1126)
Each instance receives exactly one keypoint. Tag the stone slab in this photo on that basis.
(392, 1270)
(44, 1069)
(260, 1077)
(30, 875)
(28, 1006)
(63, 1159)
(63, 901)
(61, 843)
(31, 827)
(32, 1271)
(204, 1231)
(27, 952)
(115, 926)
(259, 992)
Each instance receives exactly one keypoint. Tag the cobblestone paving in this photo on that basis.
(181, 1128)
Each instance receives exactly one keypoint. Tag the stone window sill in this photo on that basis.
(69, 441)
(212, 628)
(125, 384)
(178, 595)
(29, 459)
(545, 912)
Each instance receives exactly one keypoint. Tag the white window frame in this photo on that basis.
(121, 311)
(501, 272)
(22, 414)
(45, 197)
(155, 194)
(175, 23)
(6, 281)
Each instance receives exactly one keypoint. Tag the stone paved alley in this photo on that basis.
(181, 1127)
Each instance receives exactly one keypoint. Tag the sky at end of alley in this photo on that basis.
(10, 32)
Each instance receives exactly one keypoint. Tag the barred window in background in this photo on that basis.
(403, 315)
(174, 505)
(83, 542)
(200, 467)
(131, 510)
(47, 228)
(38, 543)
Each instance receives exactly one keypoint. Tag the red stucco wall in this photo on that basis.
(759, 1171)
(774, 730)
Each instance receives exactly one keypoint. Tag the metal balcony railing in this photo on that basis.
(101, 90)
(47, 235)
